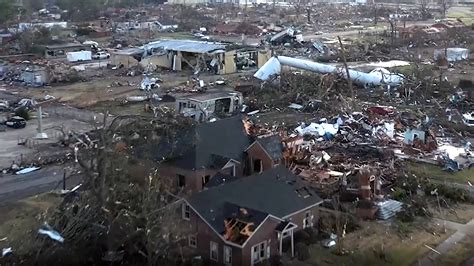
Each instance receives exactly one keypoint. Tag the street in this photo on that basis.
(16, 187)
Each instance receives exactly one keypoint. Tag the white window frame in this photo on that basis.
(186, 212)
(308, 220)
(190, 238)
(227, 257)
(213, 245)
(257, 251)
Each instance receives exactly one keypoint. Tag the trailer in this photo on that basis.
(79, 56)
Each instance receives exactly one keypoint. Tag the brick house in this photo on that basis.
(206, 150)
(247, 220)
(264, 154)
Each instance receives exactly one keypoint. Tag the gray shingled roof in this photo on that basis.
(273, 146)
(273, 192)
(212, 144)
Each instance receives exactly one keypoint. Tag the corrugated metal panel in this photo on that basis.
(185, 46)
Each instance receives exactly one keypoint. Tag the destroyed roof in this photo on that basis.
(185, 46)
(129, 51)
(210, 96)
(219, 179)
(272, 145)
(64, 45)
(225, 138)
(277, 192)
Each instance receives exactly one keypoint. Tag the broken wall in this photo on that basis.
(164, 61)
(256, 152)
(125, 60)
(263, 57)
(229, 63)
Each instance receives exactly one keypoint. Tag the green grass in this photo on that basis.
(397, 256)
(461, 252)
(467, 17)
(437, 172)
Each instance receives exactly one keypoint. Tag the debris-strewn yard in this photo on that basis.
(381, 244)
(437, 172)
(19, 221)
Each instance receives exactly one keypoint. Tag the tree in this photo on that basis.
(126, 212)
(444, 5)
(424, 7)
(34, 5)
(84, 9)
(6, 11)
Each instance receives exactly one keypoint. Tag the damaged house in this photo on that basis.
(202, 107)
(241, 223)
(191, 55)
(206, 151)
(213, 153)
(264, 154)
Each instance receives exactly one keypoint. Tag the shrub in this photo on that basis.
(23, 112)
(302, 252)
(313, 235)
(399, 194)
(301, 236)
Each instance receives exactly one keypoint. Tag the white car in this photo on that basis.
(101, 55)
(468, 119)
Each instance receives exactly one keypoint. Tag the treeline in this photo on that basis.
(78, 10)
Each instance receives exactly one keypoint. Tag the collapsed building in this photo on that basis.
(197, 56)
(202, 107)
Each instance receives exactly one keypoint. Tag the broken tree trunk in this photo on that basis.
(348, 77)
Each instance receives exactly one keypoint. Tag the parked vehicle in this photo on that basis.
(101, 55)
(468, 119)
(16, 122)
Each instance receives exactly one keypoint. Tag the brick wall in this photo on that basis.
(257, 152)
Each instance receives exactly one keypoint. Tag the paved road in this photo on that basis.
(16, 187)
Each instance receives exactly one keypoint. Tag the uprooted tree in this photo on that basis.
(125, 213)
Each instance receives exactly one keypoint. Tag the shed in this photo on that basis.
(61, 50)
(35, 76)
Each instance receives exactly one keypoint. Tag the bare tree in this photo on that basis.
(444, 5)
(424, 7)
(126, 209)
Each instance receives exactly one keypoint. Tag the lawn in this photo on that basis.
(437, 172)
(462, 251)
(19, 221)
(380, 244)
(466, 16)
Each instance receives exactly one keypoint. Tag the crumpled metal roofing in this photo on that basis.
(185, 46)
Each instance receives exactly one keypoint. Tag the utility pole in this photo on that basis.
(64, 179)
(40, 134)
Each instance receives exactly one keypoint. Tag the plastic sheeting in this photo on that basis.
(452, 54)
(27, 170)
(376, 77)
(51, 233)
(319, 130)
